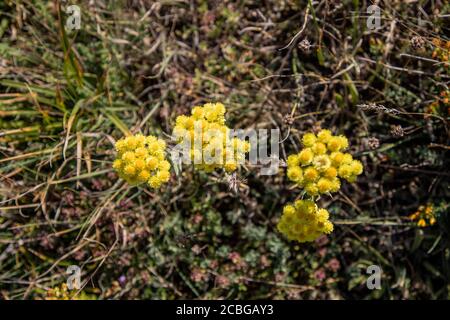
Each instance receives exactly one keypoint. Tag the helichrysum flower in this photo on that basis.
(320, 165)
(208, 137)
(304, 221)
(141, 159)
(424, 216)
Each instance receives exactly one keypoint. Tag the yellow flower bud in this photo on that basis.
(197, 113)
(163, 176)
(324, 135)
(164, 165)
(312, 189)
(336, 158)
(422, 223)
(150, 139)
(319, 148)
(120, 146)
(330, 173)
(334, 144)
(181, 121)
(336, 185)
(139, 164)
(151, 163)
(131, 143)
(324, 185)
(154, 182)
(220, 109)
(247, 147)
(161, 144)
(154, 147)
(322, 215)
(117, 164)
(310, 174)
(309, 139)
(140, 140)
(143, 176)
(141, 152)
(128, 157)
(294, 173)
(129, 170)
(344, 142)
(345, 171)
(347, 158)
(328, 227)
(357, 167)
(290, 210)
(305, 156)
(230, 167)
(293, 160)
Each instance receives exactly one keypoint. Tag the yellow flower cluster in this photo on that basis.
(424, 216)
(58, 293)
(62, 293)
(442, 49)
(304, 221)
(319, 165)
(141, 159)
(208, 138)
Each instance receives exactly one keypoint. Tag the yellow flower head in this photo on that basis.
(141, 159)
(337, 143)
(304, 222)
(324, 185)
(293, 160)
(305, 156)
(309, 139)
(319, 148)
(311, 174)
(198, 113)
(357, 167)
(336, 185)
(345, 171)
(322, 163)
(330, 173)
(336, 158)
(312, 189)
(295, 173)
(347, 158)
(324, 135)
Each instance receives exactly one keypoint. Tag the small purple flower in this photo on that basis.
(320, 274)
(334, 265)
